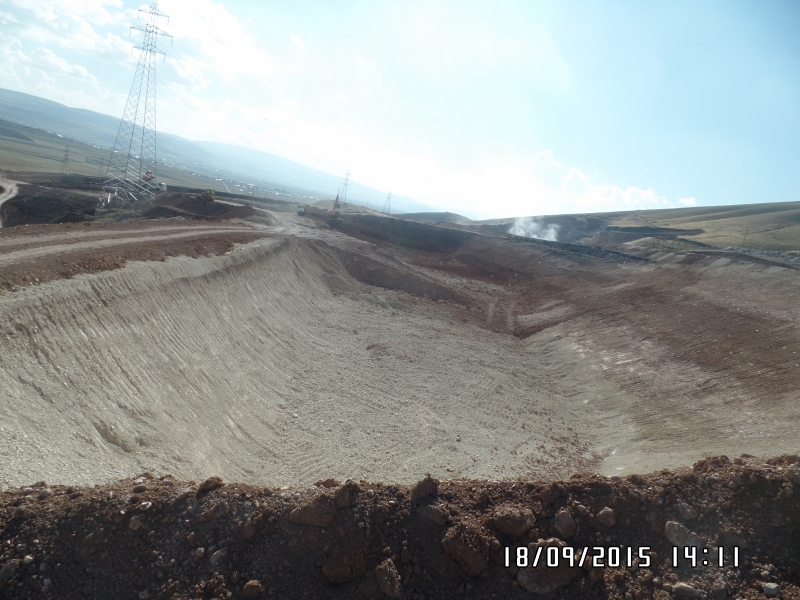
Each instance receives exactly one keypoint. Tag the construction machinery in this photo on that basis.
(208, 196)
(337, 208)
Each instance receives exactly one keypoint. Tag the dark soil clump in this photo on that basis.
(38, 205)
(161, 538)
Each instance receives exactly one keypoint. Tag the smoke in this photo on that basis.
(532, 227)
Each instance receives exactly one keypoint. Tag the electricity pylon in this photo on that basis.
(65, 162)
(387, 206)
(132, 167)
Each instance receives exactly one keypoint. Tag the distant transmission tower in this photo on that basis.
(343, 188)
(387, 206)
(65, 161)
(132, 168)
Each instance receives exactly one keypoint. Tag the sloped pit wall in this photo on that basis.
(394, 275)
(408, 234)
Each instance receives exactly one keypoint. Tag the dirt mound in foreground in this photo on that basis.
(38, 205)
(195, 206)
(161, 538)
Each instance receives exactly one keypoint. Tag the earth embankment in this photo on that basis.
(310, 353)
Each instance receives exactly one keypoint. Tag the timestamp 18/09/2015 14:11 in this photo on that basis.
(616, 556)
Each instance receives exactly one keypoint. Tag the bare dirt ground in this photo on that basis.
(8, 189)
(292, 349)
(284, 362)
(158, 537)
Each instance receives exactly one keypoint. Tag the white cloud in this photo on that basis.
(341, 97)
(687, 201)
(365, 61)
(298, 41)
(211, 42)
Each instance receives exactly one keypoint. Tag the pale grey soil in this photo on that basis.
(272, 365)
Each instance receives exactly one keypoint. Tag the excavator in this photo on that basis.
(337, 208)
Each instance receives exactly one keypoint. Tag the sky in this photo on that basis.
(489, 109)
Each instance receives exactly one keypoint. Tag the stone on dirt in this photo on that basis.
(252, 589)
(217, 557)
(564, 523)
(346, 494)
(679, 535)
(684, 590)
(434, 513)
(607, 517)
(771, 590)
(513, 521)
(318, 512)
(210, 484)
(460, 546)
(328, 483)
(389, 579)
(135, 524)
(543, 579)
(685, 511)
(427, 488)
(8, 570)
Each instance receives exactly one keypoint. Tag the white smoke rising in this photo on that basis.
(532, 227)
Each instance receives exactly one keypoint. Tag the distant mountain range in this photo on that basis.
(208, 158)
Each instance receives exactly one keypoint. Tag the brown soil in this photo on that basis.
(37, 204)
(163, 538)
(35, 254)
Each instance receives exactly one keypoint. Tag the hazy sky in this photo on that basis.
(484, 108)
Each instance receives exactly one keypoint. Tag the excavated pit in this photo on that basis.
(370, 353)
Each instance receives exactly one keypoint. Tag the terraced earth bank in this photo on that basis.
(283, 350)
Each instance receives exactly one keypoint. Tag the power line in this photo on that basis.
(132, 167)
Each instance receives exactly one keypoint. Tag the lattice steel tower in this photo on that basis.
(132, 168)
(65, 161)
(387, 206)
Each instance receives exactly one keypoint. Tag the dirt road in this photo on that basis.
(8, 189)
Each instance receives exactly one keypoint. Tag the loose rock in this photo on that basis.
(564, 523)
(210, 484)
(684, 590)
(544, 579)
(252, 589)
(772, 590)
(135, 524)
(8, 570)
(461, 546)
(389, 579)
(434, 513)
(319, 512)
(686, 511)
(678, 535)
(607, 517)
(513, 521)
(347, 494)
(427, 488)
